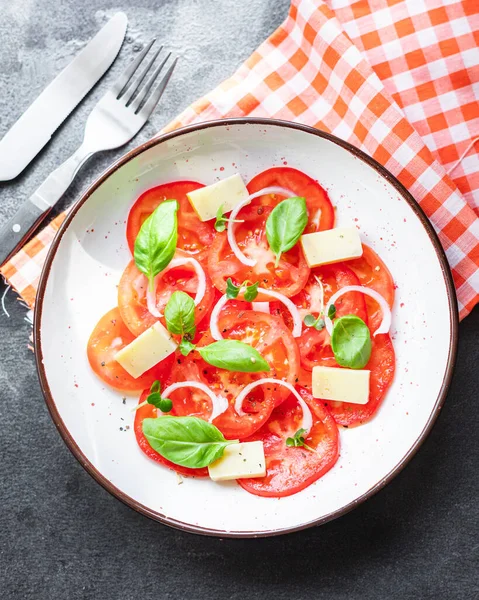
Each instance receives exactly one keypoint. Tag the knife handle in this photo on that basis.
(18, 229)
(31, 214)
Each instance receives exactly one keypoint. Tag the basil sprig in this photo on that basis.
(154, 398)
(155, 244)
(285, 225)
(180, 319)
(234, 355)
(298, 441)
(186, 441)
(250, 290)
(221, 220)
(351, 342)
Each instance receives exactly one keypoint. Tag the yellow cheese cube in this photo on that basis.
(227, 193)
(147, 350)
(334, 245)
(239, 461)
(342, 385)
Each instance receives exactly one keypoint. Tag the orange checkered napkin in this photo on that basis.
(395, 78)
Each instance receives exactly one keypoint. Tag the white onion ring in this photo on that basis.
(261, 307)
(177, 262)
(234, 213)
(297, 325)
(387, 317)
(307, 421)
(220, 403)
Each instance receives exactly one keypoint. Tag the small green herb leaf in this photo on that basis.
(186, 441)
(232, 290)
(154, 398)
(251, 292)
(165, 405)
(298, 441)
(331, 311)
(351, 342)
(220, 223)
(285, 225)
(180, 314)
(155, 243)
(320, 324)
(234, 355)
(185, 346)
(155, 386)
(311, 321)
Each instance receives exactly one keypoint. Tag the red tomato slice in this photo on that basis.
(274, 342)
(315, 344)
(382, 365)
(320, 209)
(373, 273)
(108, 337)
(290, 470)
(132, 295)
(194, 236)
(147, 412)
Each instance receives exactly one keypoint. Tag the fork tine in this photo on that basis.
(123, 81)
(146, 89)
(155, 96)
(129, 95)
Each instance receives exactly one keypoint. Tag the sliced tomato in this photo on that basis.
(194, 236)
(149, 412)
(290, 470)
(373, 273)
(132, 295)
(382, 365)
(109, 336)
(320, 209)
(272, 340)
(315, 344)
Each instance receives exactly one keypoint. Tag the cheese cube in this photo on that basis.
(341, 385)
(227, 193)
(334, 245)
(147, 350)
(239, 461)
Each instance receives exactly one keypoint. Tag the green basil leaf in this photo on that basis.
(186, 441)
(331, 311)
(251, 292)
(351, 342)
(232, 290)
(185, 346)
(285, 225)
(180, 313)
(155, 244)
(234, 355)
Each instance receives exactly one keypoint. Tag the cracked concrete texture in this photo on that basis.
(61, 535)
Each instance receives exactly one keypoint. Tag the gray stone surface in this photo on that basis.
(61, 535)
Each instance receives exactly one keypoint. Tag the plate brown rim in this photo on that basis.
(131, 502)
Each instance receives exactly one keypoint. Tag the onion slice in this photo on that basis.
(297, 325)
(261, 307)
(307, 421)
(234, 214)
(220, 403)
(387, 317)
(177, 262)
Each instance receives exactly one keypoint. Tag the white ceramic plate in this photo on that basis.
(79, 284)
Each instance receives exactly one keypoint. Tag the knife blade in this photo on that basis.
(36, 126)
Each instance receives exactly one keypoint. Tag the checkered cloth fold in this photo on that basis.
(397, 78)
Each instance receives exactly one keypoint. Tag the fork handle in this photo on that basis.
(20, 227)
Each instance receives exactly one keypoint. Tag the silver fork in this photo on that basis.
(114, 121)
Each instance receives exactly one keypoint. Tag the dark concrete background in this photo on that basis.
(61, 535)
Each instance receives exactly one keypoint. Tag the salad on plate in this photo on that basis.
(252, 329)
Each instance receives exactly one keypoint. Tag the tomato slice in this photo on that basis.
(373, 273)
(315, 344)
(147, 412)
(194, 236)
(274, 342)
(290, 470)
(320, 209)
(109, 336)
(382, 365)
(132, 295)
